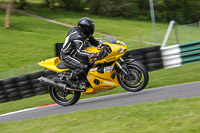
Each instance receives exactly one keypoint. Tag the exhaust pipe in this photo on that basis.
(60, 86)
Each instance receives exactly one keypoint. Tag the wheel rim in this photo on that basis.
(63, 96)
(137, 77)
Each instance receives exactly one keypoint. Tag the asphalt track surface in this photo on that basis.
(129, 98)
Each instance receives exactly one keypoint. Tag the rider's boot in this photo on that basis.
(75, 74)
(72, 78)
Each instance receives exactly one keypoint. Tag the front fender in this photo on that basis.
(128, 62)
(124, 64)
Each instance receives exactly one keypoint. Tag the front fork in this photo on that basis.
(122, 69)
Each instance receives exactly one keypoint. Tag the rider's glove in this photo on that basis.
(100, 44)
(95, 55)
(92, 55)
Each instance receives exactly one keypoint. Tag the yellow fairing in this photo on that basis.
(51, 64)
(114, 55)
(106, 82)
(92, 50)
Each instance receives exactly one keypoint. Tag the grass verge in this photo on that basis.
(174, 115)
(125, 28)
(27, 41)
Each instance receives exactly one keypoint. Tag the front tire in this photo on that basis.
(139, 74)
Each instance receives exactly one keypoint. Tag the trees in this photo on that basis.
(121, 8)
(22, 4)
(50, 4)
(182, 11)
(73, 5)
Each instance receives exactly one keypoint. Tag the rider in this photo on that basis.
(73, 53)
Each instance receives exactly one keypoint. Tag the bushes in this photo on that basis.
(73, 5)
(111, 7)
(182, 11)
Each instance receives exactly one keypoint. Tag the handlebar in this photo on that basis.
(103, 50)
(99, 46)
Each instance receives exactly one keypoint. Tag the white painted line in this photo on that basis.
(24, 110)
(19, 111)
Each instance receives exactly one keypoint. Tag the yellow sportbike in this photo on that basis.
(106, 72)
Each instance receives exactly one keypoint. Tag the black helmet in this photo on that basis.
(86, 25)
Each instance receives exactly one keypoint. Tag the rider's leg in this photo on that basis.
(78, 68)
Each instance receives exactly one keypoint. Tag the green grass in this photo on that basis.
(169, 116)
(27, 41)
(125, 29)
(20, 71)
(25, 103)
(184, 74)
(114, 26)
(186, 33)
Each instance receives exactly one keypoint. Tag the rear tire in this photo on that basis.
(61, 97)
(64, 98)
(140, 77)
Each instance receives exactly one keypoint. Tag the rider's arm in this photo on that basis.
(93, 41)
(79, 47)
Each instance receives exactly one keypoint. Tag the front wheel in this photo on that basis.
(138, 76)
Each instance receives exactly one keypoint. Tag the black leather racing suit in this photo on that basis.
(72, 53)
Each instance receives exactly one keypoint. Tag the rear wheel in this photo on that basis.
(138, 77)
(64, 97)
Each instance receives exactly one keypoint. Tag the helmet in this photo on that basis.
(86, 25)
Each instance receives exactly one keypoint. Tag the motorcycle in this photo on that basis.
(106, 72)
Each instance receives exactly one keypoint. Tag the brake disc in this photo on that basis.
(136, 79)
